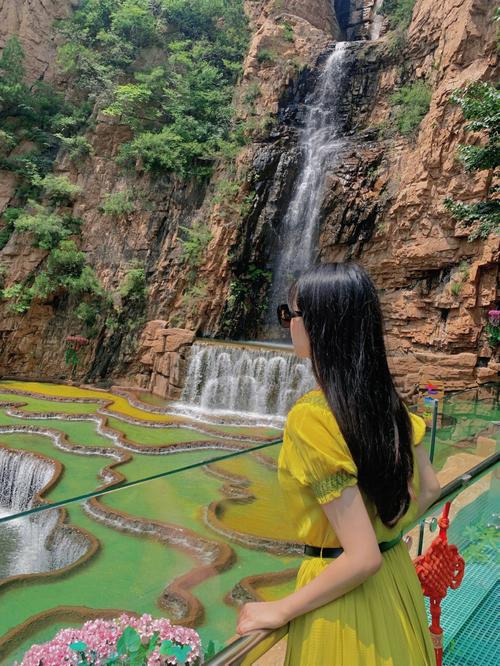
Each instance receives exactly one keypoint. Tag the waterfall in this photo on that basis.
(320, 144)
(32, 543)
(378, 20)
(243, 383)
(21, 477)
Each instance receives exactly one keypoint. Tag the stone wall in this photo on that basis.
(162, 358)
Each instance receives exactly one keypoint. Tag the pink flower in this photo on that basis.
(101, 637)
(494, 317)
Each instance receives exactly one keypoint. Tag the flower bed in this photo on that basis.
(143, 641)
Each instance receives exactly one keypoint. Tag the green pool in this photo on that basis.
(179, 545)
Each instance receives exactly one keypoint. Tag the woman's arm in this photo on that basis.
(429, 484)
(361, 558)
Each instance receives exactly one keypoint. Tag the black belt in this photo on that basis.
(315, 551)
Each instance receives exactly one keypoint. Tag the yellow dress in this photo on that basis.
(382, 622)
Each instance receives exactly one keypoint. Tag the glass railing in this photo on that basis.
(469, 616)
(191, 542)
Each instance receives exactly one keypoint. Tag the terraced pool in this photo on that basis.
(208, 532)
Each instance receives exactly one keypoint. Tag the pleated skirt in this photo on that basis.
(382, 622)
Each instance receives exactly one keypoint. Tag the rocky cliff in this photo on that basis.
(383, 205)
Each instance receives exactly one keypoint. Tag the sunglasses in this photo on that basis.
(285, 315)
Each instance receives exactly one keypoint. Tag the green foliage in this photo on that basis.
(66, 270)
(47, 227)
(10, 215)
(399, 13)
(266, 55)
(13, 90)
(133, 289)
(27, 113)
(484, 216)
(493, 333)
(19, 296)
(88, 314)
(288, 33)
(77, 147)
(456, 288)
(194, 295)
(59, 189)
(252, 93)
(226, 189)
(247, 300)
(195, 243)
(480, 104)
(7, 143)
(187, 118)
(180, 110)
(117, 204)
(411, 104)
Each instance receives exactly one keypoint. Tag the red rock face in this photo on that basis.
(32, 21)
(438, 286)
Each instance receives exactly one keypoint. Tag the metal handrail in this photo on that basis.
(245, 650)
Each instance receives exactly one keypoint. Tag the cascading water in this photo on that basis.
(320, 144)
(378, 20)
(32, 543)
(21, 477)
(243, 383)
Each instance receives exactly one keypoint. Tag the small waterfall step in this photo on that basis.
(243, 383)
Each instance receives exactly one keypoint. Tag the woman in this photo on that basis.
(354, 477)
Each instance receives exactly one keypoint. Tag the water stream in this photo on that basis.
(320, 144)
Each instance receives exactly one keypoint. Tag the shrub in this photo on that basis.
(133, 289)
(88, 314)
(7, 143)
(193, 297)
(252, 93)
(266, 55)
(48, 228)
(411, 103)
(77, 147)
(117, 204)
(10, 215)
(195, 243)
(480, 104)
(59, 189)
(180, 112)
(20, 298)
(399, 13)
(456, 288)
(66, 260)
(288, 33)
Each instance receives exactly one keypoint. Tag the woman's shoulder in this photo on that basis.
(311, 416)
(314, 400)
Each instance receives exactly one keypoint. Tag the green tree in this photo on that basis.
(180, 108)
(13, 90)
(480, 104)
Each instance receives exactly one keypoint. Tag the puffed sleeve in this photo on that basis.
(321, 458)
(418, 426)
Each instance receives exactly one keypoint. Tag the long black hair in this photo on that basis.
(343, 318)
